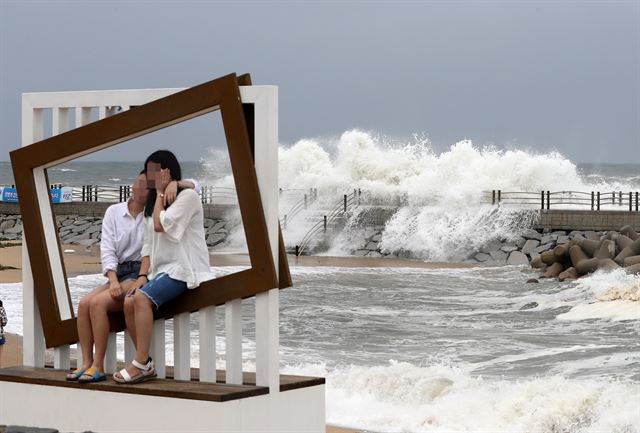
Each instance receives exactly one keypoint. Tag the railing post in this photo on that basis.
(233, 341)
(493, 197)
(120, 194)
(542, 200)
(305, 201)
(181, 347)
(297, 250)
(96, 192)
(83, 193)
(548, 199)
(593, 199)
(620, 198)
(207, 322)
(325, 223)
(630, 201)
(499, 196)
(637, 196)
(345, 203)
(598, 202)
(359, 195)
(613, 197)
(157, 348)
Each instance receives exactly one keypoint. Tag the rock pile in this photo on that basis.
(86, 230)
(582, 255)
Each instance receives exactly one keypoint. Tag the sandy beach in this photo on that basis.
(80, 260)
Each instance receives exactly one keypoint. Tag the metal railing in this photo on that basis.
(347, 203)
(594, 200)
(300, 205)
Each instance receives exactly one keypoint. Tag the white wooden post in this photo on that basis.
(233, 341)
(33, 339)
(158, 348)
(110, 359)
(181, 347)
(265, 102)
(207, 328)
(129, 348)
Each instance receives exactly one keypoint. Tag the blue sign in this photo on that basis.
(10, 195)
(58, 195)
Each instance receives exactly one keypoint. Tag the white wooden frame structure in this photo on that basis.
(265, 102)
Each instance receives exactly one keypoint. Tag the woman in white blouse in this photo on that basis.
(174, 259)
(120, 245)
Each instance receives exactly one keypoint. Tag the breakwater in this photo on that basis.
(87, 230)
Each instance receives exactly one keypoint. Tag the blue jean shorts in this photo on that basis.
(128, 271)
(162, 289)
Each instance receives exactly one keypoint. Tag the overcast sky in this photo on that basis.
(541, 75)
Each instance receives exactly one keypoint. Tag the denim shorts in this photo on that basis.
(162, 289)
(128, 271)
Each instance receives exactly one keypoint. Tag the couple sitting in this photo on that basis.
(153, 249)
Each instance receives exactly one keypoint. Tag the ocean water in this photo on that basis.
(420, 350)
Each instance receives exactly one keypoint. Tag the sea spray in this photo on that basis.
(438, 195)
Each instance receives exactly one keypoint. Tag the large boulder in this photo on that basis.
(568, 274)
(607, 250)
(629, 232)
(536, 263)
(517, 258)
(553, 271)
(623, 242)
(531, 234)
(590, 246)
(548, 257)
(607, 264)
(577, 255)
(561, 252)
(493, 245)
(633, 260)
(587, 266)
(631, 250)
(529, 246)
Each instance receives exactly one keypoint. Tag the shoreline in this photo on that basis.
(87, 261)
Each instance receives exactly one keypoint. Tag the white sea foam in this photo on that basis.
(613, 295)
(438, 194)
(442, 398)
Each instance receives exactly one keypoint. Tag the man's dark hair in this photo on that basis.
(168, 160)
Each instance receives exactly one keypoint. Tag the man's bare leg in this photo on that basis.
(85, 333)
(101, 305)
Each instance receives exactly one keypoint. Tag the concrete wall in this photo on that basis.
(557, 219)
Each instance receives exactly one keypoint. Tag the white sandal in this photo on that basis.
(147, 372)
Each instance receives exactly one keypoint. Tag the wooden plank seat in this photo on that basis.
(194, 390)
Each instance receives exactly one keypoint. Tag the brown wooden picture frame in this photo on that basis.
(223, 94)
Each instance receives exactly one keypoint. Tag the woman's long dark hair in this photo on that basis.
(168, 160)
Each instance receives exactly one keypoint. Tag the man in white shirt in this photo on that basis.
(120, 246)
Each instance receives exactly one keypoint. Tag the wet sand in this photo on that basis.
(79, 260)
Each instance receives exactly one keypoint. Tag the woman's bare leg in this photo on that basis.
(143, 328)
(129, 317)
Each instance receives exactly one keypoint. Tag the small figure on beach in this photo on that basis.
(174, 258)
(3, 323)
(120, 247)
